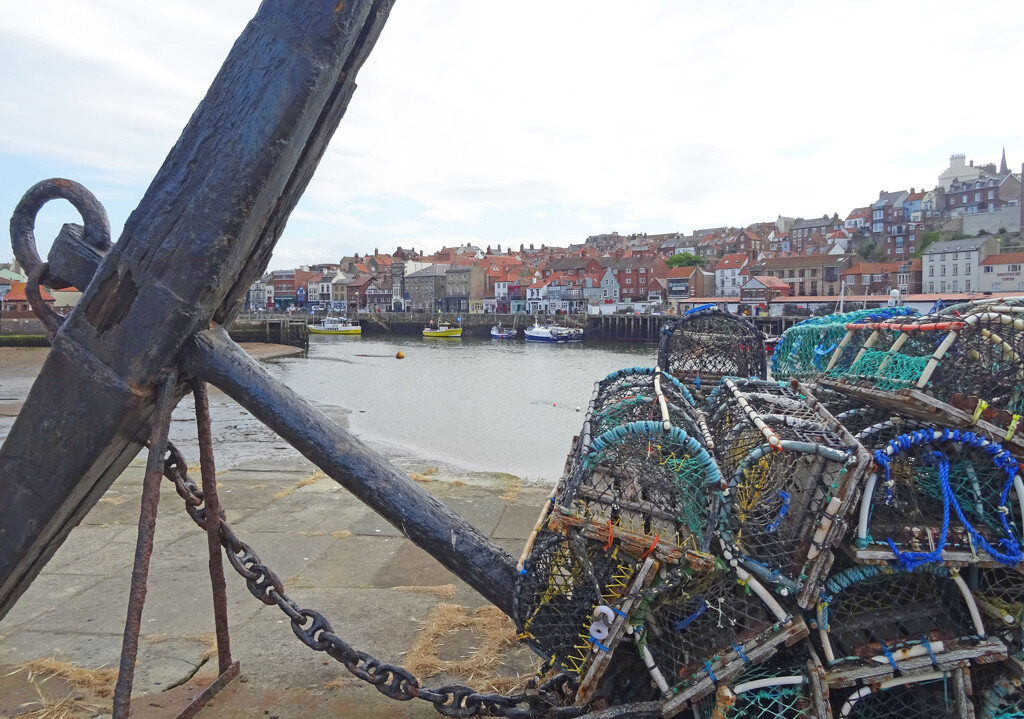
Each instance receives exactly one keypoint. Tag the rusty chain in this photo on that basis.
(313, 630)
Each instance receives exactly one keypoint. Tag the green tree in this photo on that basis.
(926, 239)
(868, 249)
(685, 259)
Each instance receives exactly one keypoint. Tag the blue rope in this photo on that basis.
(928, 648)
(889, 656)
(684, 623)
(1011, 553)
(777, 522)
(911, 560)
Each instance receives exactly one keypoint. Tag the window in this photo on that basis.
(643, 280)
(963, 198)
(967, 268)
(1013, 268)
(942, 270)
(977, 196)
(931, 270)
(988, 268)
(991, 194)
(954, 269)
(911, 250)
(956, 286)
(628, 271)
(931, 286)
(942, 286)
(643, 270)
(629, 280)
(967, 285)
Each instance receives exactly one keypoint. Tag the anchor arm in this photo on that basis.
(446, 536)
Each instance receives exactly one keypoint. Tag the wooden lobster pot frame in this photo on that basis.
(980, 355)
(875, 623)
(644, 394)
(998, 691)
(711, 627)
(804, 349)
(637, 500)
(929, 695)
(707, 344)
(941, 490)
(644, 486)
(999, 593)
(787, 686)
(791, 477)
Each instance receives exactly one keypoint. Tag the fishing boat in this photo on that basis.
(335, 326)
(500, 332)
(442, 329)
(553, 333)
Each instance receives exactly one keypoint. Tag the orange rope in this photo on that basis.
(651, 548)
(610, 536)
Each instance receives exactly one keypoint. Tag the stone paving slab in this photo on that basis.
(333, 553)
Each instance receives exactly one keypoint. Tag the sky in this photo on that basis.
(501, 123)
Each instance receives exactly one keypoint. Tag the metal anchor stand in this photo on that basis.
(227, 669)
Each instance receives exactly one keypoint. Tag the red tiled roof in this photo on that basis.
(1011, 257)
(17, 293)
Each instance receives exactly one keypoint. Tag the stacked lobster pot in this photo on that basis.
(846, 542)
(621, 571)
(791, 476)
(924, 612)
(707, 344)
(971, 361)
(804, 349)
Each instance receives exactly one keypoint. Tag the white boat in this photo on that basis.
(553, 333)
(500, 332)
(335, 326)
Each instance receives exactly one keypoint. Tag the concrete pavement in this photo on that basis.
(336, 555)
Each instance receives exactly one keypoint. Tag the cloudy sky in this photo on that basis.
(537, 122)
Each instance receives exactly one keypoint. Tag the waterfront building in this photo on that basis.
(1002, 273)
(953, 266)
(426, 289)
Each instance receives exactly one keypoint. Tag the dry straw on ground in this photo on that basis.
(424, 476)
(445, 591)
(98, 681)
(495, 635)
(304, 482)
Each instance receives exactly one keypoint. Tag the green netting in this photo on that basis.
(920, 700)
(785, 696)
(642, 480)
(805, 349)
(890, 371)
(1004, 699)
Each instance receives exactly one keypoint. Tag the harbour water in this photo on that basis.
(483, 405)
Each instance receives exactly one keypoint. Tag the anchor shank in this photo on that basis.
(203, 231)
(446, 536)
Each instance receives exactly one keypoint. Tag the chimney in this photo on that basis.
(911, 190)
(375, 252)
(881, 194)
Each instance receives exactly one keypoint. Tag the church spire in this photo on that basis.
(1003, 169)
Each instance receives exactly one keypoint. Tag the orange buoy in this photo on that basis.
(400, 355)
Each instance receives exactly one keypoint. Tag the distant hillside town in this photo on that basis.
(960, 239)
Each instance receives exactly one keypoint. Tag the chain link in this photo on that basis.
(313, 630)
